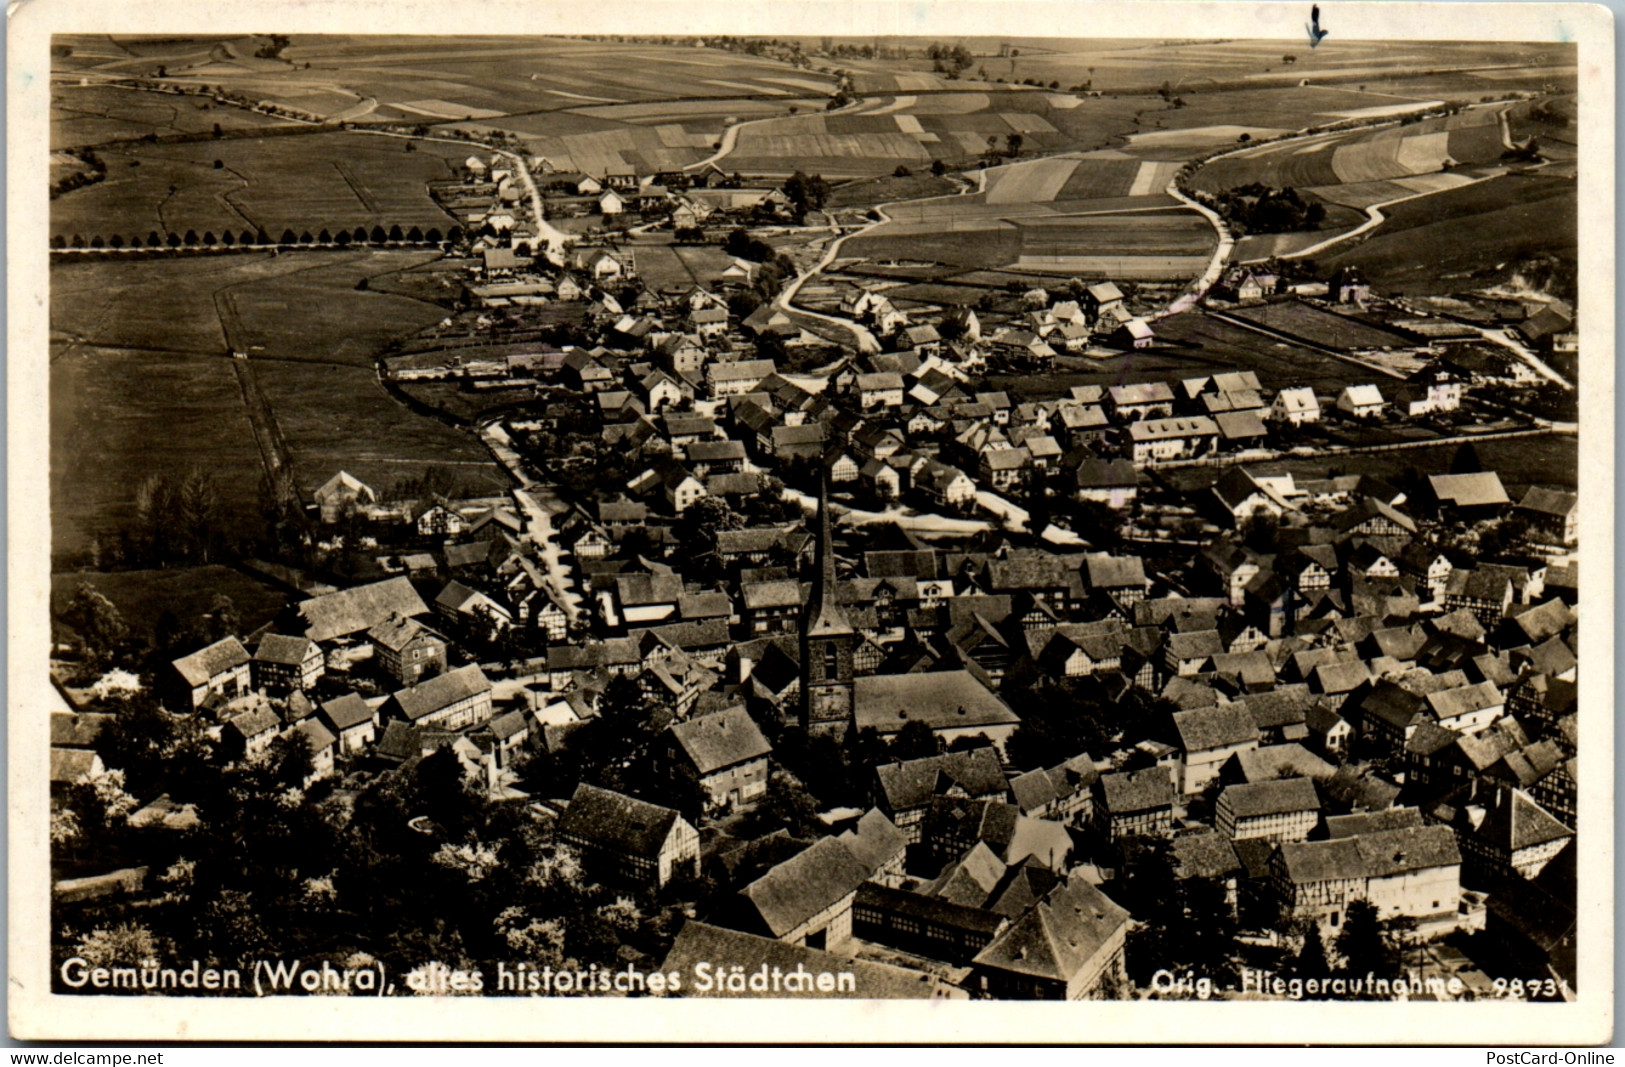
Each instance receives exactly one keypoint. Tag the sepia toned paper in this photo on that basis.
(180, 410)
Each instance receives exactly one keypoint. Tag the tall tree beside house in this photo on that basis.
(219, 621)
(100, 628)
(806, 193)
(696, 534)
(914, 741)
(1182, 924)
(1310, 961)
(1466, 460)
(1367, 944)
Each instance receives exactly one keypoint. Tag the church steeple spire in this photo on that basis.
(823, 616)
(827, 637)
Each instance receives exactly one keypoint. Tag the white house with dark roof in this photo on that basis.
(1297, 405)
(807, 899)
(249, 735)
(1155, 440)
(351, 722)
(627, 839)
(726, 751)
(220, 670)
(1284, 809)
(283, 664)
(1412, 871)
(1208, 737)
(451, 701)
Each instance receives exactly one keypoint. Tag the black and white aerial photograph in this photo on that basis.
(941, 516)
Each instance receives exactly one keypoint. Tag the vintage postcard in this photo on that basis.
(745, 521)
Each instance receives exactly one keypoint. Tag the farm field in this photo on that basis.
(1311, 324)
(1279, 364)
(138, 345)
(666, 265)
(169, 304)
(1467, 238)
(910, 130)
(105, 407)
(867, 193)
(97, 114)
(1550, 460)
(304, 182)
(339, 418)
(1200, 66)
(185, 592)
(1360, 156)
(573, 142)
(405, 78)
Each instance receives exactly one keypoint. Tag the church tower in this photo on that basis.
(826, 638)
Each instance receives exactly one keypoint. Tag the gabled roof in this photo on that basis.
(347, 712)
(874, 841)
(441, 691)
(912, 783)
(1107, 474)
(1362, 396)
(1278, 797)
(699, 942)
(1481, 489)
(1515, 822)
(320, 737)
(616, 821)
(1367, 822)
(351, 611)
(224, 655)
(1272, 761)
(942, 700)
(804, 885)
(1128, 792)
(252, 724)
(1206, 729)
(396, 632)
(1058, 937)
(1204, 853)
(1301, 399)
(1551, 502)
(725, 739)
(1380, 854)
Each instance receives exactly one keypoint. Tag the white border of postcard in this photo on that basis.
(36, 1013)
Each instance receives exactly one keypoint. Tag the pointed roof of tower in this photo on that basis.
(822, 616)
